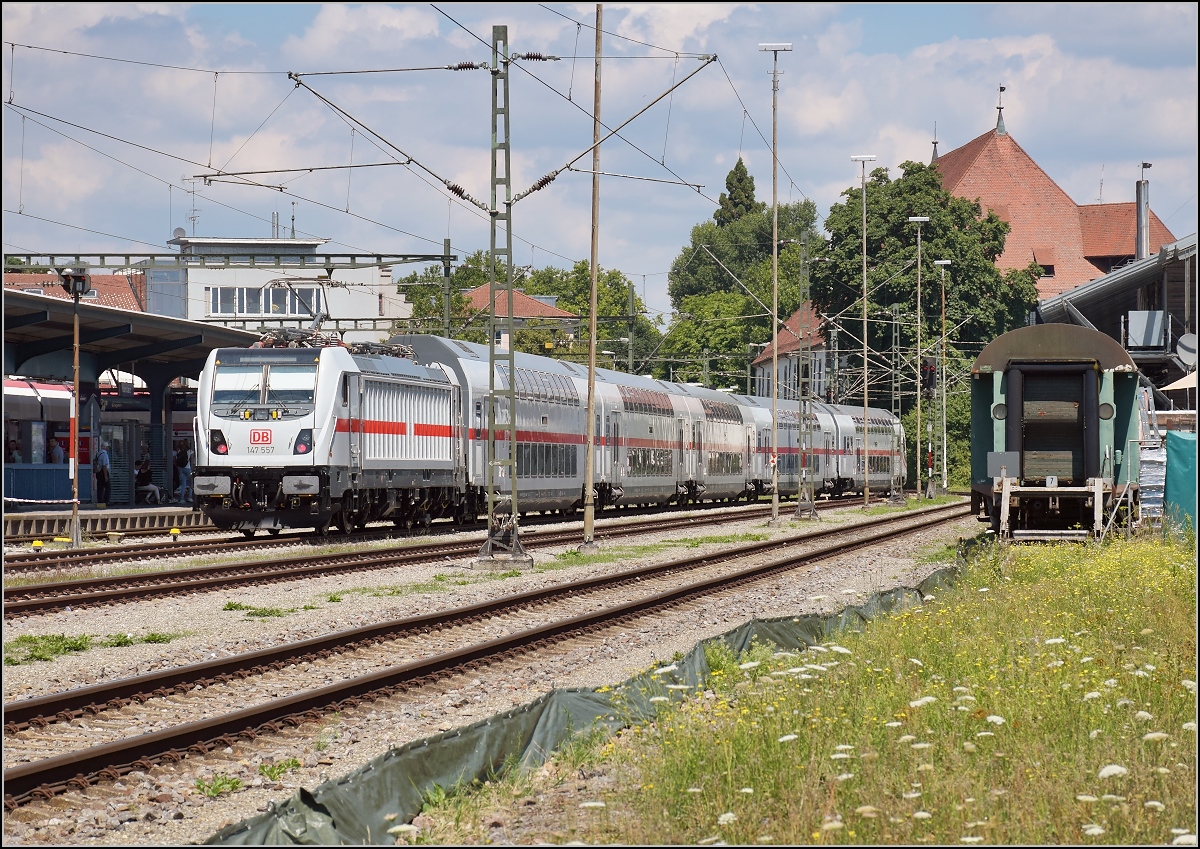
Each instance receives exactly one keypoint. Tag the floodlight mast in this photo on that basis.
(918, 220)
(864, 159)
(775, 49)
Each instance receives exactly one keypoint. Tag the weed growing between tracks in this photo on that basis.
(1049, 697)
(621, 553)
(27, 648)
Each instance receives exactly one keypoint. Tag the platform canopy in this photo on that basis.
(39, 338)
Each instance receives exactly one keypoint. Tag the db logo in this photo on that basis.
(260, 437)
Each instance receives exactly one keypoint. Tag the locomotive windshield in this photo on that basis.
(242, 384)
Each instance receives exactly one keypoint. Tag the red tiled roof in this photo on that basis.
(1110, 229)
(113, 290)
(523, 305)
(791, 332)
(1047, 227)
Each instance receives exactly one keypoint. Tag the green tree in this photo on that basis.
(739, 199)
(980, 302)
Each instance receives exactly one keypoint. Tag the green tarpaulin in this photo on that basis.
(1179, 497)
(361, 806)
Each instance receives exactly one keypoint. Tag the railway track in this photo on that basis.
(57, 595)
(29, 722)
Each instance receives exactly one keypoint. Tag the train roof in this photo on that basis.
(1053, 343)
(370, 363)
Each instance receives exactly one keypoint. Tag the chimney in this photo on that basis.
(1142, 248)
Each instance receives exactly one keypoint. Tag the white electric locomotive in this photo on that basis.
(315, 436)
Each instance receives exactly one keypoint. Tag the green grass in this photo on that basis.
(29, 649)
(220, 783)
(258, 612)
(277, 770)
(1048, 698)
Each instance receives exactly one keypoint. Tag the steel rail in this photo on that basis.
(48, 777)
(56, 595)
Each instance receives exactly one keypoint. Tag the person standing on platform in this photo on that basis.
(54, 451)
(183, 465)
(13, 455)
(103, 469)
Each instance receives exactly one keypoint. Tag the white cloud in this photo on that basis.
(348, 34)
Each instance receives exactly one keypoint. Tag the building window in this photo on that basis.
(1047, 270)
(252, 301)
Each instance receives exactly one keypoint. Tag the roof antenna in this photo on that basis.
(1000, 131)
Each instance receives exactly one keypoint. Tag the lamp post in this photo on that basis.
(943, 263)
(918, 220)
(864, 159)
(76, 284)
(775, 50)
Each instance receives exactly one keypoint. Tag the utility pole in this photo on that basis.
(503, 534)
(806, 507)
(632, 324)
(589, 477)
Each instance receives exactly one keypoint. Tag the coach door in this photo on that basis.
(615, 442)
(681, 452)
(356, 426)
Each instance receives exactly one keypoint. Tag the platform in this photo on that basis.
(24, 522)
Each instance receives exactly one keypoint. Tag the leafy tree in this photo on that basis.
(980, 304)
(739, 200)
(549, 337)
(716, 254)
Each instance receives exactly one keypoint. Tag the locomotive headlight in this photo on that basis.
(216, 442)
(303, 442)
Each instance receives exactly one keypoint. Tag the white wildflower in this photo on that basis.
(1093, 830)
(844, 747)
(1142, 716)
(984, 734)
(868, 811)
(907, 738)
(746, 790)
(820, 649)
(1084, 797)
(1188, 726)
(912, 794)
(1094, 733)
(726, 818)
(970, 747)
(1155, 735)
(839, 756)
(694, 790)
(1110, 683)
(921, 702)
(1092, 695)
(1184, 840)
(996, 720)
(1141, 673)
(1113, 770)
(1190, 686)
(1054, 641)
(1087, 659)
(971, 838)
(1155, 805)
(595, 804)
(893, 724)
(922, 815)
(1112, 797)
(787, 738)
(664, 669)
(921, 745)
(983, 589)
(406, 828)
(914, 660)
(659, 699)
(840, 650)
(833, 825)
(750, 664)
(845, 776)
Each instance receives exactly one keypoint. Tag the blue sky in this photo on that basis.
(1092, 91)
